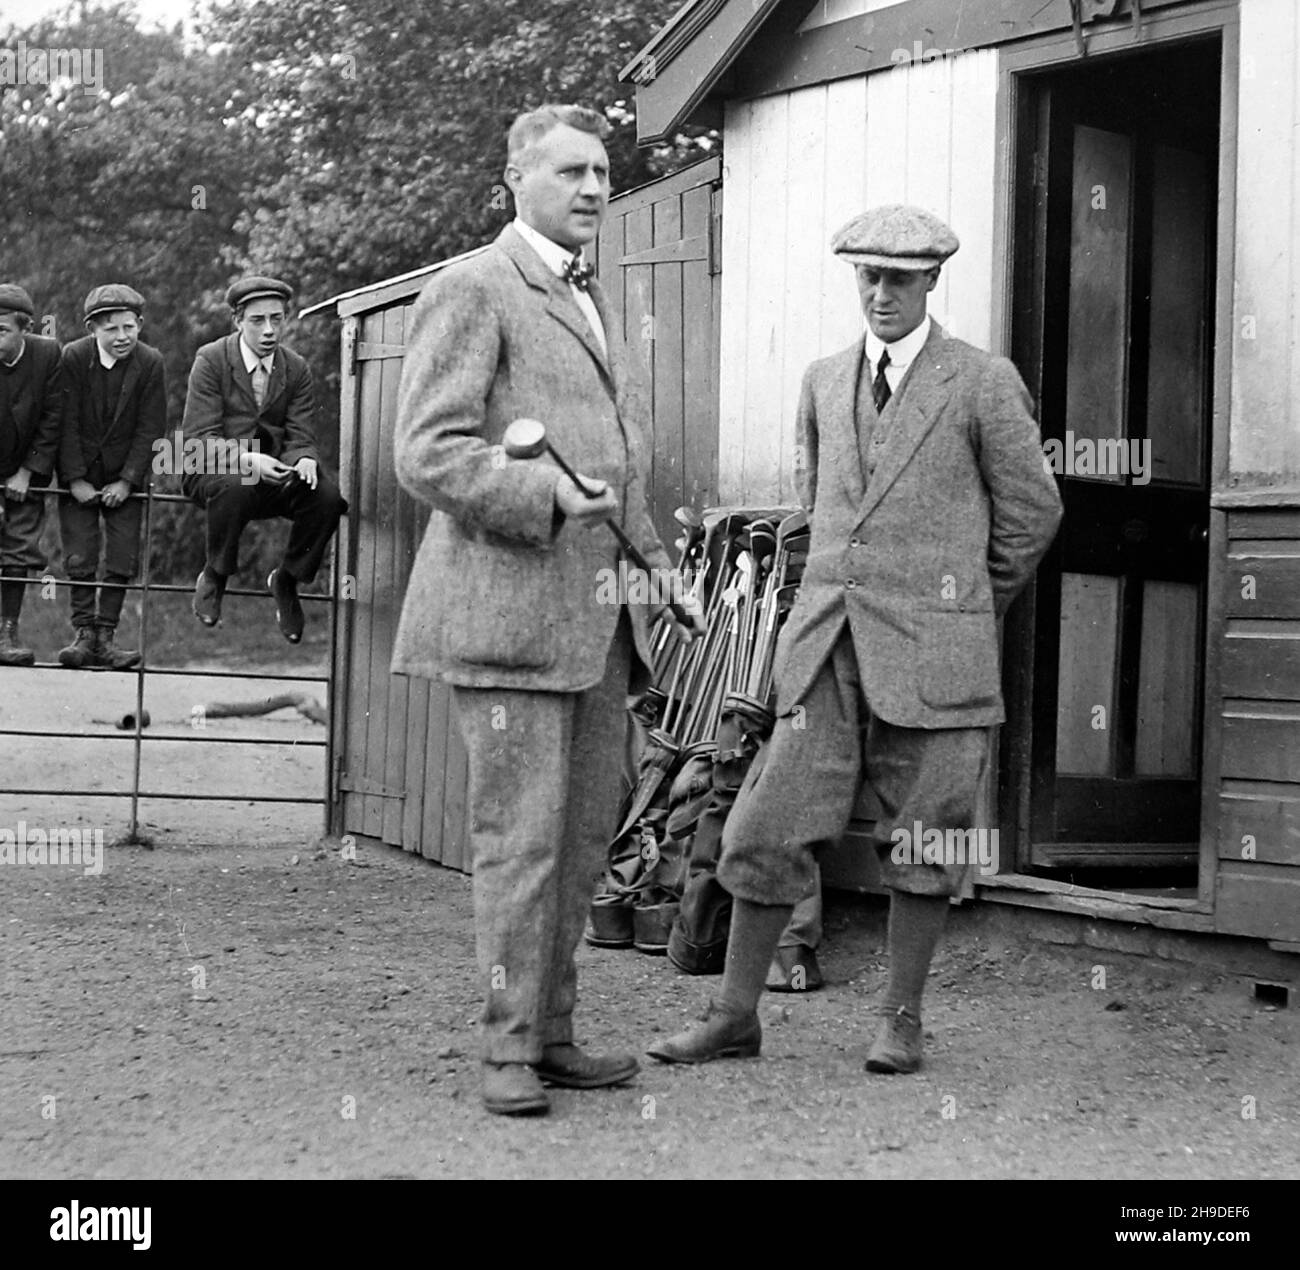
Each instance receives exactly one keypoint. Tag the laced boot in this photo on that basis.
(81, 654)
(12, 653)
(111, 658)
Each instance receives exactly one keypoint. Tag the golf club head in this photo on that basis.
(688, 518)
(524, 439)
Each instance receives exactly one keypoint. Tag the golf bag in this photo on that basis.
(698, 942)
(630, 879)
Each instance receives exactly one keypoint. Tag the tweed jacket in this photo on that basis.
(122, 445)
(506, 591)
(30, 436)
(220, 401)
(921, 559)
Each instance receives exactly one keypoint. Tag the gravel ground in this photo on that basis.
(326, 980)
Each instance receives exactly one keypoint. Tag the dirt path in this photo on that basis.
(324, 980)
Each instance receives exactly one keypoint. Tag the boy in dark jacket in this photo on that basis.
(30, 413)
(115, 407)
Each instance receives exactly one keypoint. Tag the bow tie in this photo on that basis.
(577, 273)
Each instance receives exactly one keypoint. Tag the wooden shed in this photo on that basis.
(1125, 180)
(399, 772)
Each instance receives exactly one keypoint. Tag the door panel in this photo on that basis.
(1125, 157)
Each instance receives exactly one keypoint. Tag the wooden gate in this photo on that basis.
(400, 769)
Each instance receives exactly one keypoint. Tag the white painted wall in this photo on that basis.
(796, 167)
(1265, 433)
(824, 12)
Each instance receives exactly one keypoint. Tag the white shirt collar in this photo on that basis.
(901, 352)
(22, 348)
(251, 358)
(553, 255)
(106, 360)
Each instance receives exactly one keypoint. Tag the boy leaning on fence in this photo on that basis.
(30, 414)
(114, 408)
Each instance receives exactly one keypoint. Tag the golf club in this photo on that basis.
(526, 439)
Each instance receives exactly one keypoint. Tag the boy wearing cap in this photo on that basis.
(30, 415)
(248, 389)
(114, 408)
(930, 507)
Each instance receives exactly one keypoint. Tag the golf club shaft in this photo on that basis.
(675, 607)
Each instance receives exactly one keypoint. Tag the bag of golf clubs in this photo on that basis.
(708, 705)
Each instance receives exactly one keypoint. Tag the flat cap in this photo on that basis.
(258, 287)
(13, 299)
(111, 298)
(895, 236)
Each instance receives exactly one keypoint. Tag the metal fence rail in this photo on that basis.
(142, 672)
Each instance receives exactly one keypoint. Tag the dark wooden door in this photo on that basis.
(1125, 157)
(659, 261)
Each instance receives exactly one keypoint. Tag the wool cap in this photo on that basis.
(112, 298)
(258, 287)
(13, 299)
(895, 236)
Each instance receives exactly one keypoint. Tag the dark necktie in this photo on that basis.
(880, 385)
(577, 273)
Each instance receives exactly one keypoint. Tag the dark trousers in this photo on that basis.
(85, 528)
(231, 504)
(20, 547)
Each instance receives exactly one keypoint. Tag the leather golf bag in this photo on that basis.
(698, 943)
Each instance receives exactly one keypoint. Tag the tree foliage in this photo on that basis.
(331, 142)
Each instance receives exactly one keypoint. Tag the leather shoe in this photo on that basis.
(568, 1066)
(719, 1034)
(288, 608)
(897, 1047)
(794, 969)
(512, 1089)
(208, 591)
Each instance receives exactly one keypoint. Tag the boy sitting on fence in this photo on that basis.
(114, 408)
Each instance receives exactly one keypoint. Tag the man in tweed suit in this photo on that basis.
(504, 601)
(930, 508)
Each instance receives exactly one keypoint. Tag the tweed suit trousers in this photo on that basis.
(545, 780)
(799, 794)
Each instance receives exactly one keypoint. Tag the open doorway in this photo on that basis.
(1116, 165)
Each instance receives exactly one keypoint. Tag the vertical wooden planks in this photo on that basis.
(928, 159)
(1266, 319)
(811, 149)
(847, 160)
(972, 195)
(664, 336)
(390, 581)
(699, 385)
(737, 279)
(888, 136)
(1169, 671)
(455, 782)
(365, 728)
(432, 765)
(767, 248)
(1086, 678)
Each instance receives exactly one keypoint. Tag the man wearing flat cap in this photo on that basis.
(930, 507)
(114, 409)
(31, 406)
(247, 390)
